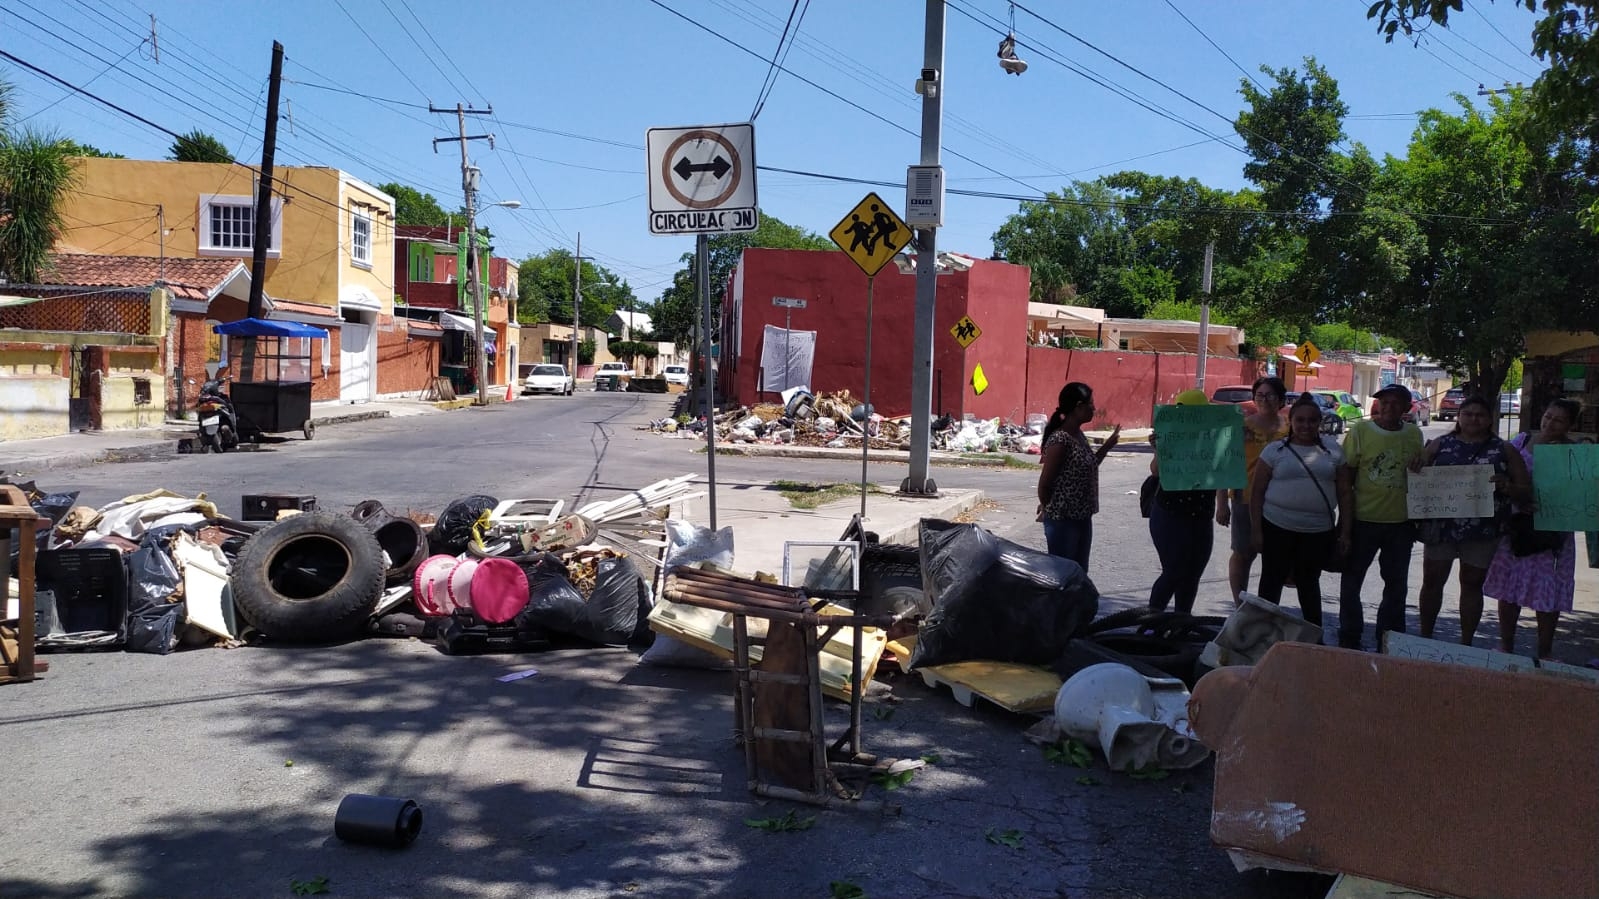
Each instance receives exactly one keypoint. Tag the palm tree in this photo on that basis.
(34, 179)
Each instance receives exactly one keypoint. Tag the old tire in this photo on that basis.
(404, 543)
(368, 509)
(310, 578)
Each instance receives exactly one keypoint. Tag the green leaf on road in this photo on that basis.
(932, 758)
(893, 781)
(1149, 772)
(314, 886)
(1011, 837)
(786, 824)
(1070, 751)
(1089, 780)
(843, 889)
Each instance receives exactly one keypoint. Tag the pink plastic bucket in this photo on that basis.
(458, 585)
(429, 585)
(499, 590)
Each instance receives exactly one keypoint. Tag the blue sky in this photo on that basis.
(575, 84)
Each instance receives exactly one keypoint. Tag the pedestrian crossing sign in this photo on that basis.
(871, 234)
(966, 331)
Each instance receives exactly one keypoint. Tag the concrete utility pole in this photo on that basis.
(918, 483)
(469, 183)
(577, 299)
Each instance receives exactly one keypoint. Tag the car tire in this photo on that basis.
(310, 578)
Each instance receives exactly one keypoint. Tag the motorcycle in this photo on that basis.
(219, 426)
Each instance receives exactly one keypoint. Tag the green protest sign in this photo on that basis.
(1565, 478)
(1199, 447)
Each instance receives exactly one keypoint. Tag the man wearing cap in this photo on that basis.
(1373, 520)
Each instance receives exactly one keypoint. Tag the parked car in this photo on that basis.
(1348, 406)
(1510, 403)
(1449, 404)
(549, 379)
(1420, 410)
(1331, 421)
(1240, 395)
(676, 374)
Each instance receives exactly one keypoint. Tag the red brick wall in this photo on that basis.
(998, 305)
(1127, 385)
(325, 386)
(406, 361)
(189, 356)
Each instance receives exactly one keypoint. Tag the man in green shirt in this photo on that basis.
(1374, 522)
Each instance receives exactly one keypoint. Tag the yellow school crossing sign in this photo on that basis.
(871, 234)
(966, 331)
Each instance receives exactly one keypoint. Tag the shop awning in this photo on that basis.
(260, 327)
(452, 322)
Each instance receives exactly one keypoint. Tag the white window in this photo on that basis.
(361, 238)
(227, 226)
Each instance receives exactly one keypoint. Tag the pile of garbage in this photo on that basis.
(157, 572)
(835, 420)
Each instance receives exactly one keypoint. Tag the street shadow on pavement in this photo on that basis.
(600, 777)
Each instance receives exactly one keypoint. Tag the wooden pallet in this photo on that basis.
(1024, 689)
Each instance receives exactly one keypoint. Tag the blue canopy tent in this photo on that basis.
(260, 327)
(272, 389)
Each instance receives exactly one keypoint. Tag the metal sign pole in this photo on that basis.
(866, 401)
(702, 263)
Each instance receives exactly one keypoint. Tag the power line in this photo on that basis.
(1513, 45)
(777, 54)
(419, 48)
(92, 79)
(397, 67)
(448, 57)
(355, 93)
(1247, 74)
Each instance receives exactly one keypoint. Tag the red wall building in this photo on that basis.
(993, 294)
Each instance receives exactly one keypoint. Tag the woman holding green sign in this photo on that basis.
(1544, 581)
(1068, 483)
(1180, 528)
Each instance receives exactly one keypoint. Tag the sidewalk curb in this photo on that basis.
(843, 453)
(944, 508)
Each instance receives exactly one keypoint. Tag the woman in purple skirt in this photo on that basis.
(1545, 582)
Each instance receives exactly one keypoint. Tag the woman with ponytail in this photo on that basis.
(1068, 484)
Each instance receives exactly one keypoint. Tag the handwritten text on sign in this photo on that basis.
(1452, 491)
(1566, 480)
(1200, 447)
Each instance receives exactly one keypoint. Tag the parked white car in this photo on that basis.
(549, 379)
(676, 374)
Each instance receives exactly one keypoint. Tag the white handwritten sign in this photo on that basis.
(1452, 491)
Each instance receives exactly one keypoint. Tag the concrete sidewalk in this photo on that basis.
(89, 447)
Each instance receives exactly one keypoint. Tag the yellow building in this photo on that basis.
(330, 257)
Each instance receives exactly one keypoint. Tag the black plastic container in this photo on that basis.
(377, 820)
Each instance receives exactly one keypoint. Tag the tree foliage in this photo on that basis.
(413, 207)
(197, 146)
(1565, 34)
(544, 290)
(35, 176)
(73, 148)
(679, 306)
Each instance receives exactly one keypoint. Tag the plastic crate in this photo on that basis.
(90, 587)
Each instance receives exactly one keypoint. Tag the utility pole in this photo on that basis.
(263, 190)
(932, 86)
(255, 306)
(1204, 320)
(469, 182)
(577, 299)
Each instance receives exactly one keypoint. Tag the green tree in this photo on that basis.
(197, 146)
(544, 290)
(73, 148)
(1340, 336)
(1075, 241)
(413, 207)
(1565, 34)
(1508, 256)
(679, 306)
(35, 176)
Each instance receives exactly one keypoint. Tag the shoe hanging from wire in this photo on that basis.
(1007, 48)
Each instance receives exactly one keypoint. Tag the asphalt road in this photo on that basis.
(148, 775)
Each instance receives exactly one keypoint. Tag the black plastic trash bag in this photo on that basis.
(553, 605)
(53, 506)
(453, 530)
(620, 604)
(996, 600)
(154, 623)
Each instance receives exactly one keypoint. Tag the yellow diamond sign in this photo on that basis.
(871, 234)
(966, 331)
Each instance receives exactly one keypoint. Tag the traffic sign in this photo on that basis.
(871, 234)
(966, 331)
(1308, 353)
(702, 179)
(1306, 371)
(788, 302)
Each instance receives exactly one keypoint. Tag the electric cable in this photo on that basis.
(1184, 16)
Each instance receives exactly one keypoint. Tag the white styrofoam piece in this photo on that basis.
(208, 597)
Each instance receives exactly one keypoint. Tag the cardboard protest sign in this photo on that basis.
(1565, 479)
(1451, 491)
(1199, 447)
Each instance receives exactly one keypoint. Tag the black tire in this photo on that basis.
(310, 429)
(404, 543)
(310, 578)
(367, 509)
